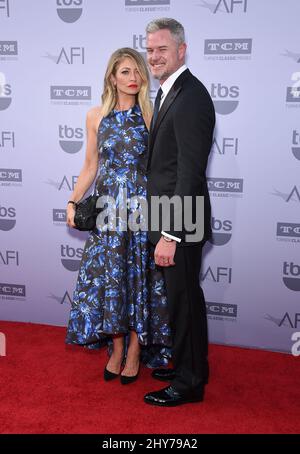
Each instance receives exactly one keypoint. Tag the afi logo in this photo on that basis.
(7, 138)
(65, 184)
(69, 56)
(221, 274)
(295, 193)
(226, 145)
(9, 257)
(226, 6)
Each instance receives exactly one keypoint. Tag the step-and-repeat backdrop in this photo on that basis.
(53, 55)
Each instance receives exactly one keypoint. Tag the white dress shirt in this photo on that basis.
(166, 87)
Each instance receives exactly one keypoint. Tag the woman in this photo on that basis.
(120, 295)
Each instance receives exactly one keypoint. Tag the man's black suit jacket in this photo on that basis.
(178, 149)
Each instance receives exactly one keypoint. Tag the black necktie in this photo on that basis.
(156, 108)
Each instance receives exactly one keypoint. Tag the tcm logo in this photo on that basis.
(70, 257)
(7, 218)
(7, 139)
(69, 11)
(225, 6)
(67, 136)
(225, 98)
(8, 48)
(221, 231)
(293, 92)
(11, 175)
(9, 258)
(296, 144)
(228, 46)
(226, 145)
(5, 93)
(226, 185)
(146, 2)
(12, 290)
(68, 56)
(218, 275)
(221, 309)
(69, 92)
(59, 215)
(288, 230)
(291, 276)
(4, 7)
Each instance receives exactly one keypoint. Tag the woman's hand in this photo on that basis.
(70, 215)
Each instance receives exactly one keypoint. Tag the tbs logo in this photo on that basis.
(291, 276)
(70, 257)
(222, 231)
(67, 138)
(69, 11)
(7, 218)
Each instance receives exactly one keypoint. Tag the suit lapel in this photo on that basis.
(176, 88)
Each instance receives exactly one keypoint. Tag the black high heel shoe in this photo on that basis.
(126, 380)
(108, 376)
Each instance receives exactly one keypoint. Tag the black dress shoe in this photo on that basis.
(170, 397)
(108, 376)
(168, 375)
(163, 374)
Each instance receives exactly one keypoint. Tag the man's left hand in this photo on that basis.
(164, 253)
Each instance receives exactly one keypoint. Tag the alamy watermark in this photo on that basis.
(176, 214)
(295, 350)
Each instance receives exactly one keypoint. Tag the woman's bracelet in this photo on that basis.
(72, 201)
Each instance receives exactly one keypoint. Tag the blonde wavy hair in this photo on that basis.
(109, 96)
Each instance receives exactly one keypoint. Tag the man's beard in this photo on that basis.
(164, 75)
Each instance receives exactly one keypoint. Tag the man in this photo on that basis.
(179, 144)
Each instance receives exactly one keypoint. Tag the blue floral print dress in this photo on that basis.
(119, 288)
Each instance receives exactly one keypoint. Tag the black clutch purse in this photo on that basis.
(86, 213)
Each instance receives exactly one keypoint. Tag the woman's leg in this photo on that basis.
(115, 361)
(133, 356)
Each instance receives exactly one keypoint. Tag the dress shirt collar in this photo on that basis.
(167, 85)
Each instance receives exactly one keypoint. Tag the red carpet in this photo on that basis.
(47, 387)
